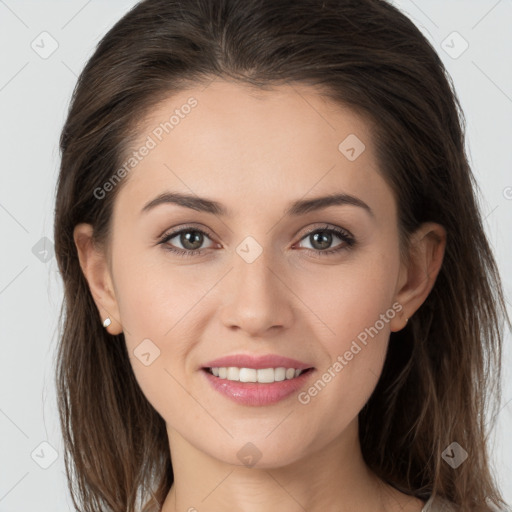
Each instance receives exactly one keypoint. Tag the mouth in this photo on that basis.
(257, 380)
(256, 375)
(257, 386)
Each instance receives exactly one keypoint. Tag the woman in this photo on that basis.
(330, 337)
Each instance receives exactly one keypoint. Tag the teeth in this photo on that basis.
(280, 374)
(264, 375)
(233, 373)
(248, 375)
(290, 373)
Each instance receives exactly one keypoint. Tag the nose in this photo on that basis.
(257, 296)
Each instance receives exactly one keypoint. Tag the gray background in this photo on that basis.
(37, 75)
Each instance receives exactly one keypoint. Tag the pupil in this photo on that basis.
(187, 238)
(326, 239)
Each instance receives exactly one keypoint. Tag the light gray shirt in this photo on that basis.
(441, 505)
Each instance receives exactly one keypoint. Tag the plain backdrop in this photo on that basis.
(43, 47)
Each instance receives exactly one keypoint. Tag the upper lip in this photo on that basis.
(257, 362)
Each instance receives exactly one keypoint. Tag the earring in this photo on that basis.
(107, 322)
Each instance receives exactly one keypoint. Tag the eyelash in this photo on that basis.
(345, 236)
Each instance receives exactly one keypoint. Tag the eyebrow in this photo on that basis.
(296, 208)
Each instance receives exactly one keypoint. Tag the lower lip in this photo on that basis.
(256, 393)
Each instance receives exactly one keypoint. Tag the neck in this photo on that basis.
(317, 481)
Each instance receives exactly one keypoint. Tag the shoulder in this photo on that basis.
(439, 504)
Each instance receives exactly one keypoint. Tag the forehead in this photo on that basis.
(257, 145)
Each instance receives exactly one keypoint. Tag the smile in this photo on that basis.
(232, 383)
(261, 375)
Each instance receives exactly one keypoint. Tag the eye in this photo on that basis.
(190, 238)
(322, 238)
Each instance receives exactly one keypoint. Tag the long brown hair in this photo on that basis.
(441, 379)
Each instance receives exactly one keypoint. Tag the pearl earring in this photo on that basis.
(107, 322)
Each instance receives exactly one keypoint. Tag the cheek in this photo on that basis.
(355, 306)
(351, 297)
(156, 297)
(156, 306)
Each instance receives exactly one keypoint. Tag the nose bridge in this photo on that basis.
(257, 299)
(253, 267)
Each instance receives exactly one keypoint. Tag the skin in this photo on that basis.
(256, 151)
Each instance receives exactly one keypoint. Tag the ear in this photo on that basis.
(418, 275)
(94, 264)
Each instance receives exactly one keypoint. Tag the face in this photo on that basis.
(266, 273)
